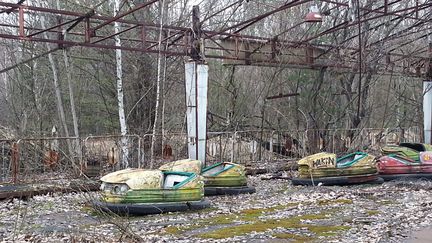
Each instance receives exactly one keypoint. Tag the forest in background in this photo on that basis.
(327, 97)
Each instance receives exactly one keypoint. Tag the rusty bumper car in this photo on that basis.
(407, 150)
(142, 192)
(395, 166)
(223, 178)
(327, 170)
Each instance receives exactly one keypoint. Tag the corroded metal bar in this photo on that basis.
(21, 22)
(114, 19)
(15, 161)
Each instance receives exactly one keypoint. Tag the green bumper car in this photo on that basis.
(407, 150)
(223, 178)
(141, 192)
(325, 169)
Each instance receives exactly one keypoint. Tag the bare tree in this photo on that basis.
(119, 74)
(55, 77)
(158, 82)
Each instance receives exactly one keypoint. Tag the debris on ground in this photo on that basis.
(277, 212)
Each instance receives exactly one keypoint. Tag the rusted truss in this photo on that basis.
(69, 29)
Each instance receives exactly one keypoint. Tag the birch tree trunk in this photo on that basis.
(158, 81)
(68, 68)
(120, 95)
(59, 102)
(72, 103)
(163, 102)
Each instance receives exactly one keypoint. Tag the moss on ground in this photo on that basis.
(334, 201)
(327, 230)
(264, 225)
(48, 205)
(248, 221)
(372, 212)
(245, 215)
(294, 237)
(386, 202)
(172, 230)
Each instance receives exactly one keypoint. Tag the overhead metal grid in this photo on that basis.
(311, 50)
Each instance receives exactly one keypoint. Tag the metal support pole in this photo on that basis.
(196, 101)
(195, 43)
(21, 22)
(15, 161)
(196, 78)
(87, 30)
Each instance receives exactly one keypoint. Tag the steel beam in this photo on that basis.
(261, 17)
(384, 12)
(177, 47)
(8, 11)
(21, 22)
(347, 24)
(118, 17)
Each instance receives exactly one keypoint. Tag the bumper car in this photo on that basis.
(142, 192)
(395, 166)
(407, 150)
(324, 169)
(223, 178)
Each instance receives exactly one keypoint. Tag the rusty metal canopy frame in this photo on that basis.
(229, 44)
